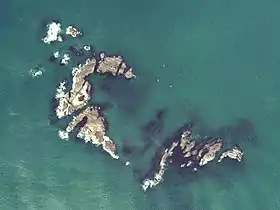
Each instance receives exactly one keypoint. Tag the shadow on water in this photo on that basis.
(152, 129)
(127, 94)
(156, 124)
(242, 131)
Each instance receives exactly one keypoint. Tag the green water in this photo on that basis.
(221, 63)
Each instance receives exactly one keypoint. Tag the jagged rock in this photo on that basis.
(93, 129)
(233, 153)
(158, 176)
(80, 93)
(185, 152)
(114, 65)
(72, 31)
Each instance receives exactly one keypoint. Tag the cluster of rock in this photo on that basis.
(90, 123)
(92, 127)
(54, 32)
(187, 152)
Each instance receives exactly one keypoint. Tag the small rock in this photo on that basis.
(87, 47)
(72, 31)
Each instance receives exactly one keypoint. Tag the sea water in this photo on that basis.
(214, 63)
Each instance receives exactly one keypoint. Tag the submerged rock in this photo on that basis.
(76, 50)
(36, 72)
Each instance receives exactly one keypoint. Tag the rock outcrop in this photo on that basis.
(191, 153)
(92, 128)
(80, 93)
(114, 65)
(233, 153)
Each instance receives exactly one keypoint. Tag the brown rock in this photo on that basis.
(93, 129)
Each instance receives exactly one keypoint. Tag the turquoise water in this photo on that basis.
(216, 62)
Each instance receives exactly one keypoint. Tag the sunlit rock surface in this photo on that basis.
(234, 153)
(187, 152)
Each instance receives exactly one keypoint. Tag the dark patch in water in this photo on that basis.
(155, 125)
(126, 93)
(52, 59)
(76, 50)
(126, 150)
(242, 131)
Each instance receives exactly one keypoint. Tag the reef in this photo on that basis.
(191, 153)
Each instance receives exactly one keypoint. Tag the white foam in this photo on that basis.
(87, 48)
(53, 33)
(65, 60)
(61, 97)
(60, 91)
(36, 72)
(63, 134)
(56, 54)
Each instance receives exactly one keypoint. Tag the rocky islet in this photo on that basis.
(190, 153)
